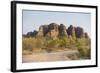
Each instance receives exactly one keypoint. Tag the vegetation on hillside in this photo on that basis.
(46, 44)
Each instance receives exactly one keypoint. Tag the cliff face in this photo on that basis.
(54, 30)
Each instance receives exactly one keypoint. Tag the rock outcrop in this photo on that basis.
(31, 34)
(54, 30)
(62, 30)
(53, 26)
(71, 30)
(79, 32)
(43, 29)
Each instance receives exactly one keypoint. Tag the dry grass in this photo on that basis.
(42, 45)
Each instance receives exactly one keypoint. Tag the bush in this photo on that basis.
(64, 41)
(28, 43)
(85, 53)
(83, 45)
(33, 44)
(48, 44)
(52, 43)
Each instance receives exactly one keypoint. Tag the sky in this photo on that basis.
(32, 19)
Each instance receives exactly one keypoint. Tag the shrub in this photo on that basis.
(52, 43)
(85, 53)
(48, 44)
(28, 43)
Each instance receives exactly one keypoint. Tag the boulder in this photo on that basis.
(53, 26)
(53, 30)
(62, 30)
(43, 29)
(79, 32)
(32, 34)
(71, 30)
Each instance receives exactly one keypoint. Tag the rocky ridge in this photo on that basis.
(54, 30)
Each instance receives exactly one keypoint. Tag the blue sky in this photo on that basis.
(33, 19)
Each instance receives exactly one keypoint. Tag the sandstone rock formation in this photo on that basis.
(42, 30)
(62, 30)
(79, 32)
(54, 30)
(71, 30)
(31, 34)
(53, 26)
